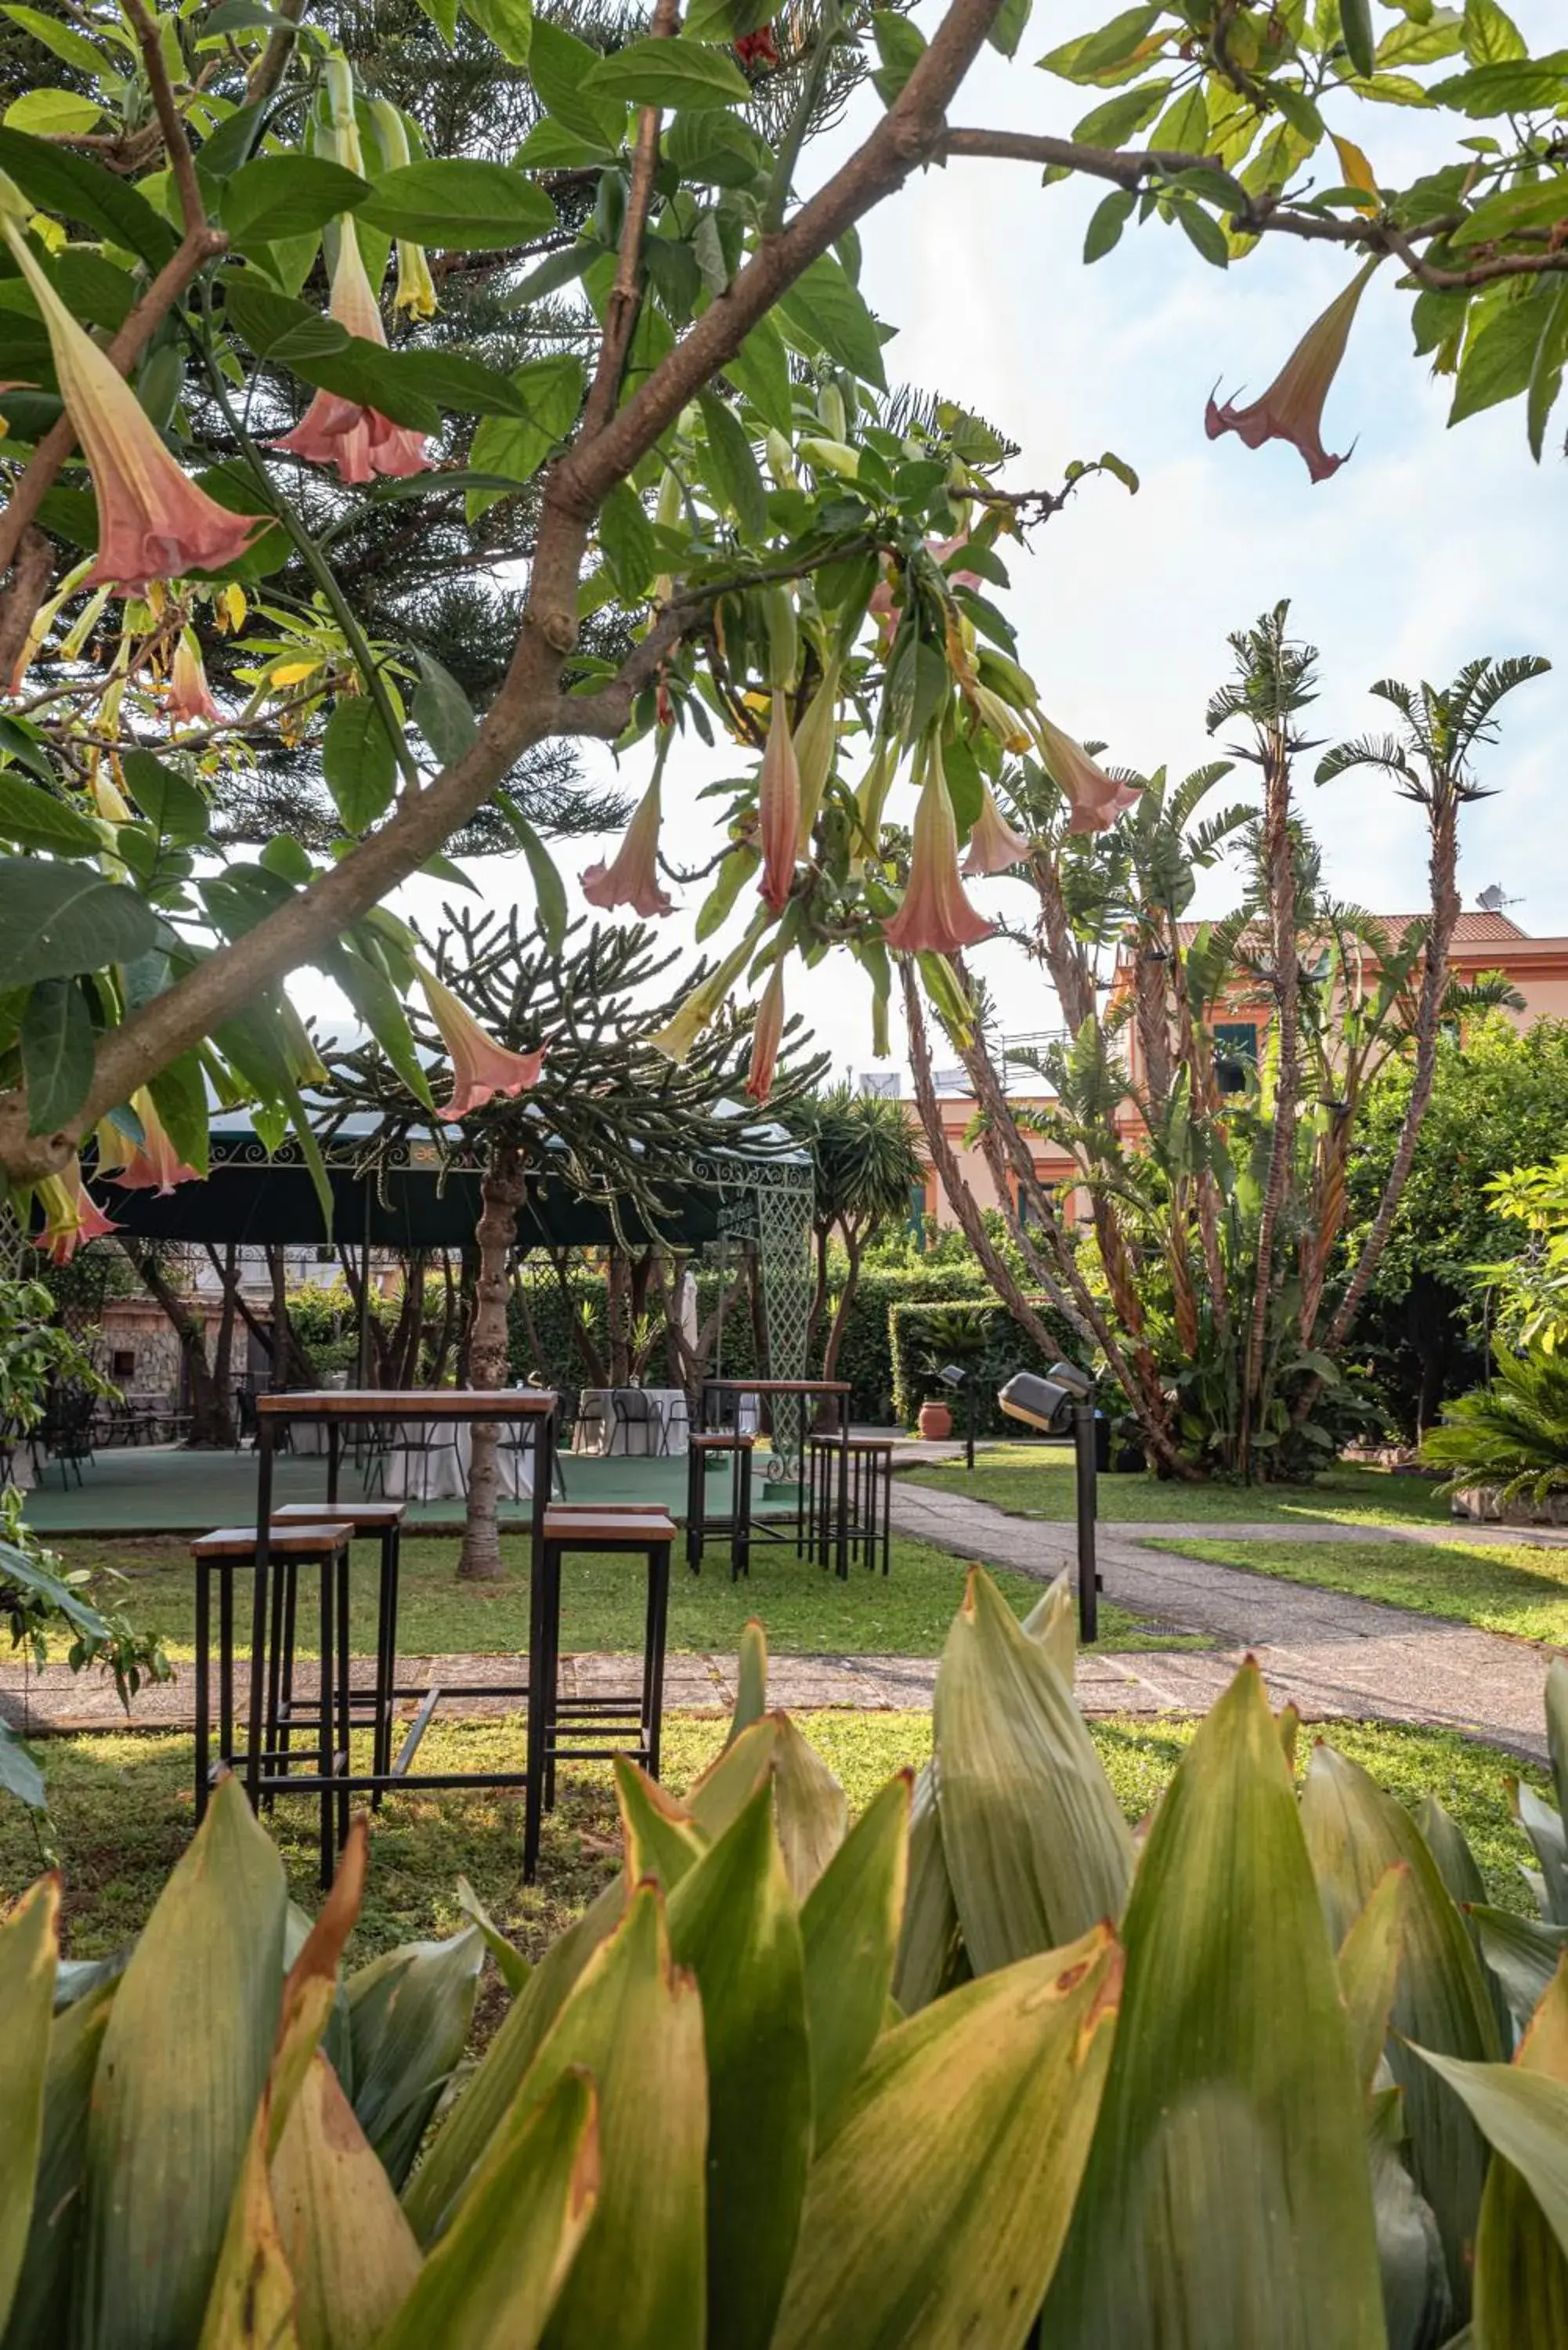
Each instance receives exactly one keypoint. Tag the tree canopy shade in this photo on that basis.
(709, 470)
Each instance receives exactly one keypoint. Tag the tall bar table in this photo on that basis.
(336, 1408)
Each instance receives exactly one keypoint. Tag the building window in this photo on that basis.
(1235, 1052)
(122, 1364)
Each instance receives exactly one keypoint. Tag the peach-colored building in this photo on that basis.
(1483, 941)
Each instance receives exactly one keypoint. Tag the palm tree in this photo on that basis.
(863, 1152)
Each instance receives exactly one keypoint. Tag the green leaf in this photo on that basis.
(675, 72)
(901, 45)
(57, 919)
(29, 1947)
(442, 711)
(1110, 47)
(70, 47)
(1491, 35)
(1008, 27)
(1499, 360)
(357, 967)
(716, 148)
(409, 2017)
(1523, 2115)
(810, 1807)
(733, 1922)
(43, 2286)
(1520, 2270)
(53, 113)
(357, 761)
(180, 1097)
(1522, 1954)
(465, 205)
(626, 541)
(19, 1774)
(739, 476)
(549, 890)
(826, 308)
(1355, 1833)
(1229, 2171)
(1036, 1845)
(171, 804)
(1206, 233)
(1107, 223)
(930, 1942)
(936, 2213)
(57, 1053)
(726, 20)
(1538, 204)
(1368, 1967)
(509, 22)
(1118, 117)
(36, 818)
(455, 379)
(760, 373)
(849, 1926)
(1360, 43)
(349, 2252)
(551, 147)
(1546, 370)
(59, 182)
(286, 195)
(1520, 86)
(735, 870)
(552, 391)
(173, 2107)
(561, 68)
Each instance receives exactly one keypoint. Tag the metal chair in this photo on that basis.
(676, 1415)
(632, 1409)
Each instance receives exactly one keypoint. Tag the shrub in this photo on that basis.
(1512, 1434)
(920, 1333)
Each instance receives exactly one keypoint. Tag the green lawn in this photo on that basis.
(1514, 1587)
(807, 1612)
(1036, 1480)
(122, 1816)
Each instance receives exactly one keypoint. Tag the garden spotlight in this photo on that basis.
(1064, 1399)
(954, 1376)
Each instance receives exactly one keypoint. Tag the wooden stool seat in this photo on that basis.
(582, 1526)
(322, 1531)
(365, 1517)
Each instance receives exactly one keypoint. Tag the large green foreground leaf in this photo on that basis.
(1036, 1846)
(29, 1947)
(408, 2014)
(184, 2058)
(44, 2288)
(348, 2250)
(849, 1926)
(930, 1941)
(936, 2215)
(1355, 1833)
(1521, 2273)
(1225, 2205)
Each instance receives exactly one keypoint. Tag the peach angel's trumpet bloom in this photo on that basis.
(1292, 408)
(189, 697)
(633, 879)
(153, 523)
(993, 846)
(1095, 798)
(360, 442)
(766, 1036)
(778, 808)
(154, 1164)
(935, 918)
(72, 1216)
(481, 1067)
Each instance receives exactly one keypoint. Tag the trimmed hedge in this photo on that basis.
(1006, 1350)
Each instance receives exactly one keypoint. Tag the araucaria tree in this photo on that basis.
(197, 210)
(1213, 1279)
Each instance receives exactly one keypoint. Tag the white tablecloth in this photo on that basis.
(667, 1436)
(443, 1475)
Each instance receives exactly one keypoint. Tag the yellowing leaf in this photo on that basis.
(1358, 171)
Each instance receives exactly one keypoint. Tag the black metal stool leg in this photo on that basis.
(534, 1790)
(551, 1692)
(345, 1692)
(653, 1650)
(696, 1493)
(226, 1665)
(280, 1730)
(841, 1547)
(740, 1548)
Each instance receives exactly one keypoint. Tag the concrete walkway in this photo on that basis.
(1329, 1654)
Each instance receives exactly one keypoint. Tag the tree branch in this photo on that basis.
(181, 163)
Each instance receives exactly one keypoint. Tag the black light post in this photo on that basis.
(954, 1376)
(1064, 1399)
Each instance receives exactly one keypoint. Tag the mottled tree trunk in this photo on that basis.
(212, 1411)
(502, 1191)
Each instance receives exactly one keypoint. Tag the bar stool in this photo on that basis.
(555, 1720)
(379, 1521)
(320, 1545)
(704, 1448)
(858, 1520)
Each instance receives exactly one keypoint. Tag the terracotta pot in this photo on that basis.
(936, 1421)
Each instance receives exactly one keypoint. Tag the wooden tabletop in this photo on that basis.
(369, 1516)
(609, 1527)
(780, 1386)
(409, 1403)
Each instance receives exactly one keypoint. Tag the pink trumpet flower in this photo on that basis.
(778, 807)
(73, 1215)
(633, 879)
(1097, 799)
(480, 1066)
(189, 697)
(153, 523)
(993, 846)
(1292, 408)
(360, 442)
(935, 918)
(154, 1164)
(881, 606)
(765, 1037)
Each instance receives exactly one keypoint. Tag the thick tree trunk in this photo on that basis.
(502, 1191)
(211, 1419)
(853, 1249)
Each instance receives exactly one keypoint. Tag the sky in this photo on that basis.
(1428, 548)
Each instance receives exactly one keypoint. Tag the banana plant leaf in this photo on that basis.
(496, 2275)
(41, 2303)
(850, 1930)
(29, 1947)
(185, 2059)
(734, 1923)
(409, 2017)
(937, 2214)
(1225, 2205)
(1036, 1846)
(1353, 1832)
(349, 2252)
